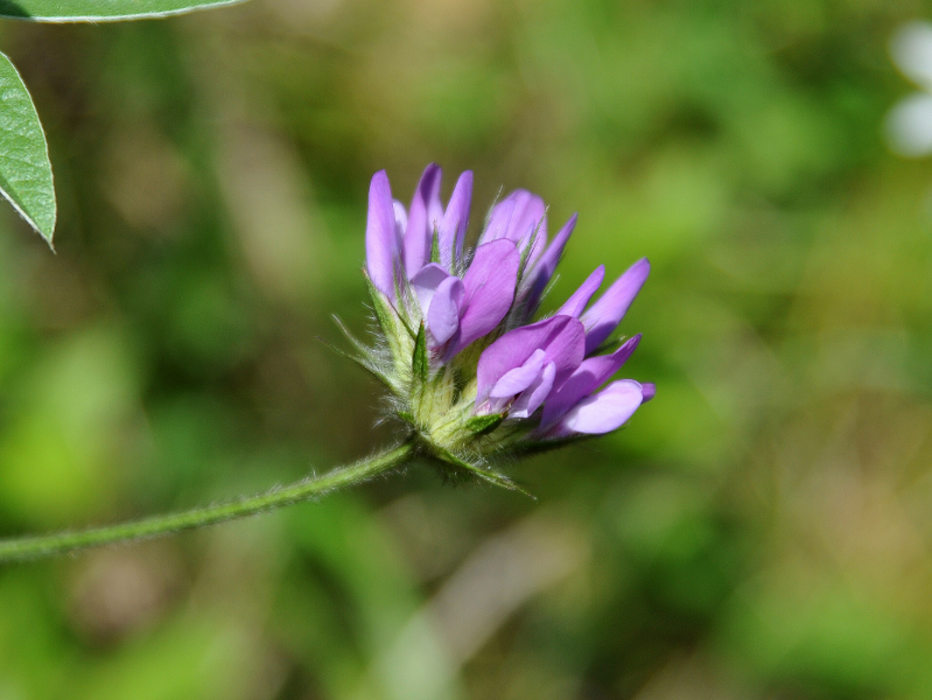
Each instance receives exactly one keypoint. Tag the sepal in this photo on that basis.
(488, 475)
(420, 364)
(363, 356)
(482, 425)
(398, 335)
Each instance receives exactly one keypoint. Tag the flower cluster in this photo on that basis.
(468, 369)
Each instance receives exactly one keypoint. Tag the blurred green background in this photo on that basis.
(763, 529)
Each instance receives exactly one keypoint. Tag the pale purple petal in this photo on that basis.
(434, 215)
(542, 272)
(518, 217)
(577, 302)
(381, 237)
(604, 315)
(498, 219)
(490, 289)
(529, 224)
(444, 312)
(591, 373)
(649, 390)
(534, 225)
(401, 218)
(418, 232)
(604, 412)
(532, 397)
(425, 283)
(561, 337)
(516, 380)
(451, 229)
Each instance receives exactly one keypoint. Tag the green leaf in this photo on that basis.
(100, 10)
(25, 170)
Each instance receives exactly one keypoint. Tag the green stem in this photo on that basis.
(57, 543)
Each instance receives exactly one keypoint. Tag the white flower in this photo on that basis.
(909, 123)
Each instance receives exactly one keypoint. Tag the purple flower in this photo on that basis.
(415, 256)
(557, 353)
(470, 369)
(399, 241)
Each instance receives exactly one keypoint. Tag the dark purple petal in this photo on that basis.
(489, 290)
(591, 373)
(381, 236)
(513, 349)
(444, 312)
(534, 396)
(516, 380)
(562, 338)
(418, 232)
(604, 412)
(451, 229)
(567, 349)
(577, 302)
(542, 272)
(604, 315)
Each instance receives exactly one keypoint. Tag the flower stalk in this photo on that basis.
(307, 489)
(472, 377)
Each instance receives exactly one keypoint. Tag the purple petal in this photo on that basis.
(605, 411)
(562, 338)
(451, 229)
(591, 373)
(401, 218)
(490, 289)
(425, 283)
(577, 302)
(567, 349)
(381, 237)
(543, 271)
(604, 315)
(518, 217)
(535, 239)
(649, 390)
(534, 396)
(497, 222)
(516, 380)
(444, 313)
(418, 231)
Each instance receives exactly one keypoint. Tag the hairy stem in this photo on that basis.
(31, 547)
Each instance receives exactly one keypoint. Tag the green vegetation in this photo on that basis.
(762, 529)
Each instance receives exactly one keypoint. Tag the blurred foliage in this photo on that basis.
(761, 530)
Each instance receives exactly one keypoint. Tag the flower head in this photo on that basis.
(468, 369)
